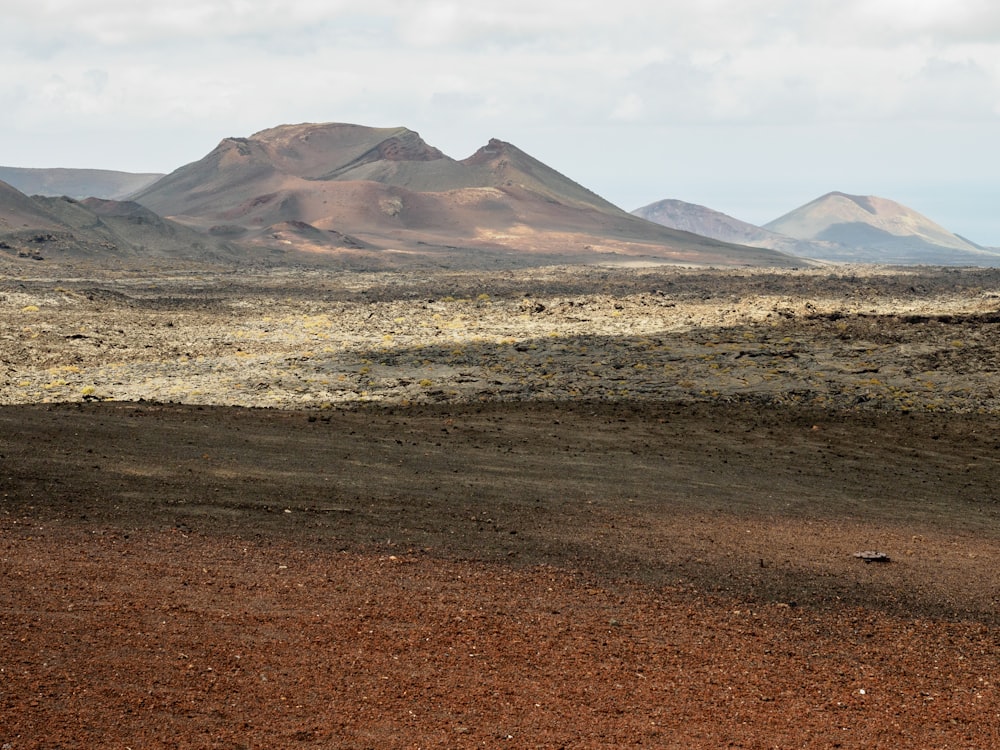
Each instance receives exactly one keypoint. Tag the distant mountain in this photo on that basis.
(692, 217)
(77, 183)
(19, 212)
(876, 230)
(836, 227)
(98, 231)
(347, 189)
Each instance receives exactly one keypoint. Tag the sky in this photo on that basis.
(750, 107)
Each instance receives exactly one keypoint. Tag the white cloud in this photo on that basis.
(629, 108)
(951, 90)
(714, 61)
(937, 20)
(540, 73)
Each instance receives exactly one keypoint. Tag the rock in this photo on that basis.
(870, 556)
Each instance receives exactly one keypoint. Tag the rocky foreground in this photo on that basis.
(916, 340)
(562, 509)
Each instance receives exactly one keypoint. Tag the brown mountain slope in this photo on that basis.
(97, 231)
(28, 230)
(19, 212)
(503, 165)
(388, 190)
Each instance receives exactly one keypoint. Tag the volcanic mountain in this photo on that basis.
(876, 230)
(96, 230)
(77, 183)
(336, 189)
(691, 217)
(836, 227)
(19, 212)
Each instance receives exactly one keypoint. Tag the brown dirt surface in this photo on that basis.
(669, 568)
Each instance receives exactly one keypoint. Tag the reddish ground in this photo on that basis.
(179, 577)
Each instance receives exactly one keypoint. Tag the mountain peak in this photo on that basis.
(304, 131)
(492, 151)
(865, 202)
(391, 144)
(691, 217)
(389, 188)
(876, 229)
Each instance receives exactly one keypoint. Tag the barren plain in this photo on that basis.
(314, 340)
(562, 507)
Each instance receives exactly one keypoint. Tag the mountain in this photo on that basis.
(18, 212)
(869, 229)
(102, 232)
(77, 183)
(691, 217)
(338, 190)
(836, 227)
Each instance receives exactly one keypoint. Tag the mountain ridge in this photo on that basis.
(836, 227)
(822, 217)
(706, 221)
(388, 189)
(96, 231)
(77, 183)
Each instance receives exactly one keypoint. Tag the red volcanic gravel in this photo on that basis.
(158, 639)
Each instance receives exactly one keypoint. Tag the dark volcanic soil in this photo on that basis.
(527, 575)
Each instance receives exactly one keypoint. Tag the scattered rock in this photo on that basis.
(870, 556)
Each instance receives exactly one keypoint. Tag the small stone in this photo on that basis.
(870, 556)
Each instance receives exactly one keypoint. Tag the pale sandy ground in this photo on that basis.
(851, 337)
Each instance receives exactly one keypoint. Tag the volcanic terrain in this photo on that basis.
(835, 227)
(550, 508)
(383, 194)
(66, 233)
(708, 222)
(250, 497)
(869, 229)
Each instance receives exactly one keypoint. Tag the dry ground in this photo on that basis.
(903, 341)
(518, 552)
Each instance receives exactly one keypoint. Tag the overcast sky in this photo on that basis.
(752, 107)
